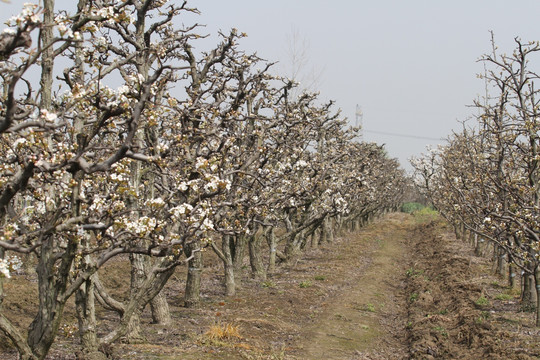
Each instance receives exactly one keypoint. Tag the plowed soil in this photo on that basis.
(400, 288)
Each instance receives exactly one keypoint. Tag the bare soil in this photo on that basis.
(396, 289)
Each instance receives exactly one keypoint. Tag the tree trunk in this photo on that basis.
(537, 283)
(500, 261)
(511, 271)
(292, 245)
(255, 258)
(479, 248)
(52, 281)
(160, 310)
(272, 245)
(323, 235)
(238, 251)
(16, 337)
(472, 238)
(86, 315)
(329, 230)
(192, 295)
(526, 293)
(315, 238)
(230, 285)
(138, 274)
(150, 287)
(47, 56)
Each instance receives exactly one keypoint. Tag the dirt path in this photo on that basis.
(366, 318)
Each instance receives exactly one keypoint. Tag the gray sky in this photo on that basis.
(410, 65)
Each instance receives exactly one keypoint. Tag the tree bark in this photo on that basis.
(192, 291)
(537, 283)
(47, 59)
(526, 294)
(159, 308)
(272, 245)
(52, 280)
(149, 288)
(230, 285)
(138, 274)
(315, 238)
(255, 258)
(329, 230)
(86, 314)
(238, 251)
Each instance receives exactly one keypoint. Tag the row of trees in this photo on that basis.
(486, 179)
(135, 143)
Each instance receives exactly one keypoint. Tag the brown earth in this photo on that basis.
(400, 288)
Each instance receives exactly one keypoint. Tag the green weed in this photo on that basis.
(410, 207)
(482, 301)
(268, 284)
(441, 330)
(504, 297)
(412, 272)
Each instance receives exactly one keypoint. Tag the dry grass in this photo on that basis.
(223, 332)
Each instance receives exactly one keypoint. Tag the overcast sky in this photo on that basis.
(410, 65)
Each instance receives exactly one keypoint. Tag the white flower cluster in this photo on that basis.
(48, 116)
(300, 164)
(155, 203)
(118, 97)
(142, 226)
(215, 183)
(98, 203)
(198, 218)
(178, 211)
(11, 263)
(340, 204)
(27, 15)
(4, 268)
(201, 163)
(62, 28)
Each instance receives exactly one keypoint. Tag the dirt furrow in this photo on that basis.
(366, 318)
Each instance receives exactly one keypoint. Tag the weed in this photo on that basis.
(409, 325)
(268, 284)
(413, 297)
(278, 356)
(443, 312)
(341, 317)
(441, 330)
(425, 215)
(482, 301)
(370, 307)
(68, 331)
(484, 315)
(412, 272)
(305, 284)
(504, 297)
(320, 277)
(410, 207)
(223, 332)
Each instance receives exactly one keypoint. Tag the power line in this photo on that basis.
(403, 135)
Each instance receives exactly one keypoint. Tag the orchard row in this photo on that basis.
(486, 180)
(134, 142)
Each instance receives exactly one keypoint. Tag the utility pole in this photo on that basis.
(360, 122)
